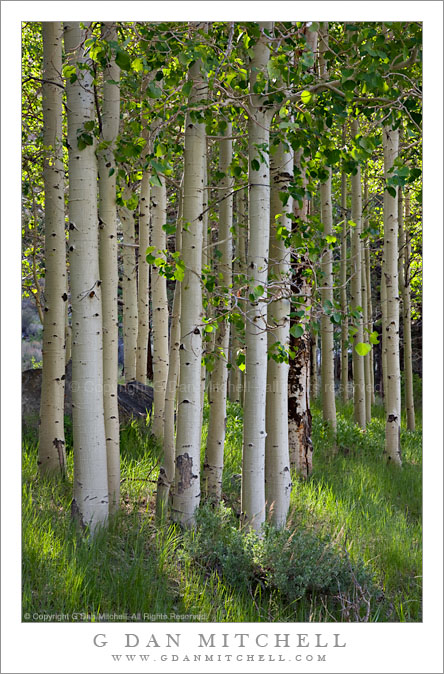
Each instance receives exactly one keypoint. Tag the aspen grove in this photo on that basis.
(225, 216)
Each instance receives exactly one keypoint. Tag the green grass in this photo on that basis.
(365, 514)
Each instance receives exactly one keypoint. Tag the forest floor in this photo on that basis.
(352, 549)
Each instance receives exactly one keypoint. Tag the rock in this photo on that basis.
(135, 399)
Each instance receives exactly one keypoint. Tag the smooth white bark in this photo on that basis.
(187, 480)
(327, 329)
(404, 284)
(217, 394)
(143, 285)
(166, 472)
(236, 377)
(90, 503)
(129, 289)
(356, 293)
(277, 459)
(253, 458)
(391, 326)
(160, 309)
(108, 267)
(52, 458)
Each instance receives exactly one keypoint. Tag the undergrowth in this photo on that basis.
(351, 550)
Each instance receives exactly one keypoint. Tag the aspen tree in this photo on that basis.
(370, 319)
(391, 325)
(404, 284)
(253, 457)
(160, 308)
(143, 285)
(366, 318)
(236, 374)
(51, 458)
(187, 476)
(277, 459)
(90, 502)
(67, 325)
(129, 288)
(327, 329)
(217, 398)
(299, 415)
(355, 292)
(108, 265)
(207, 346)
(343, 282)
(166, 472)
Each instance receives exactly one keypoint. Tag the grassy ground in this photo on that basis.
(355, 519)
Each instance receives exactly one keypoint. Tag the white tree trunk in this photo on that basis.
(240, 264)
(356, 294)
(166, 473)
(67, 325)
(129, 289)
(365, 307)
(404, 284)
(143, 285)
(370, 320)
(108, 268)
(217, 395)
(327, 329)
(277, 459)
(187, 480)
(90, 502)
(52, 459)
(391, 326)
(160, 309)
(253, 458)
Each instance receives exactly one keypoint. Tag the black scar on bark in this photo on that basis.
(184, 464)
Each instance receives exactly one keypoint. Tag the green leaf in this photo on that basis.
(330, 239)
(89, 126)
(137, 65)
(362, 349)
(155, 181)
(374, 337)
(391, 191)
(187, 88)
(256, 293)
(297, 331)
(255, 165)
(153, 91)
(111, 172)
(123, 60)
(169, 228)
(305, 97)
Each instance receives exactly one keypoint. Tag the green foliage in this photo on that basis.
(292, 563)
(362, 349)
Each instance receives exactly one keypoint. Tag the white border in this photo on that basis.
(371, 648)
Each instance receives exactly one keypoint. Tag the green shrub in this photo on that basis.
(293, 564)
